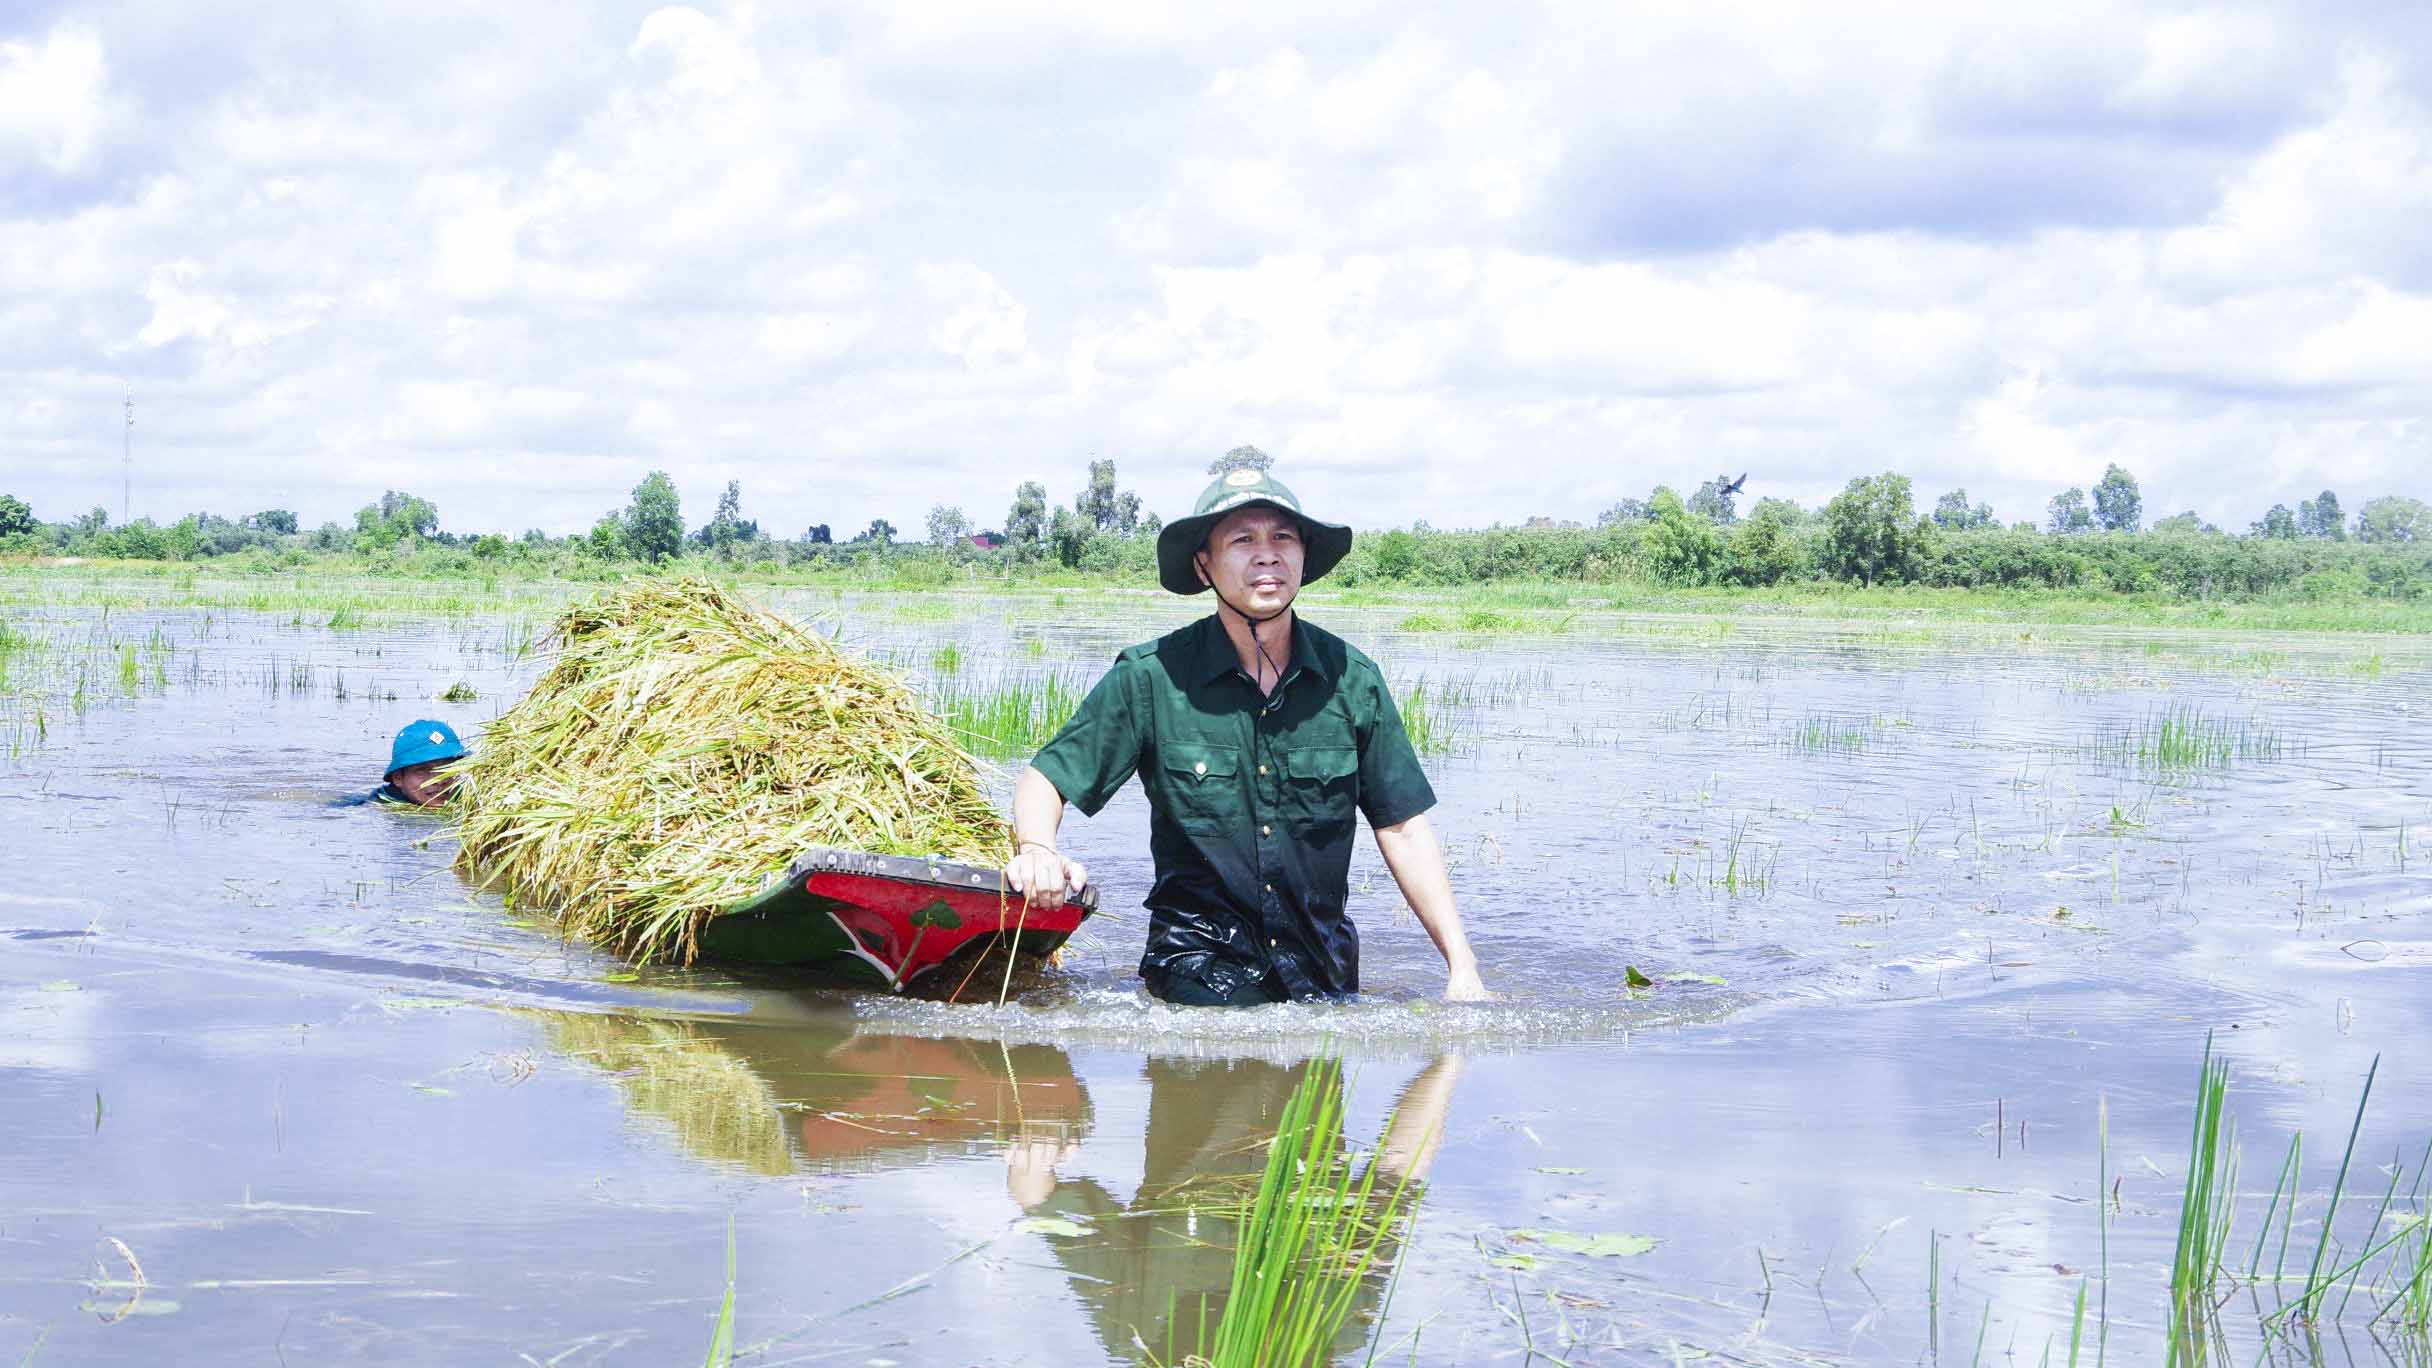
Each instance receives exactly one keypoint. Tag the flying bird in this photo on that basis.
(1734, 486)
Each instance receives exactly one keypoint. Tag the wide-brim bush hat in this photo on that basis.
(421, 741)
(1323, 544)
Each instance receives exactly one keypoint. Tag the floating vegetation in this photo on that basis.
(1010, 716)
(683, 748)
(2181, 738)
(459, 692)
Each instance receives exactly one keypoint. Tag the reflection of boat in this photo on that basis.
(887, 921)
(822, 1095)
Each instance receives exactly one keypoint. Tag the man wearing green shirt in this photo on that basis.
(1256, 736)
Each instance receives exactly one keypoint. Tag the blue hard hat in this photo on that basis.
(421, 741)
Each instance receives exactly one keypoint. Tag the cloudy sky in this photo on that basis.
(1465, 265)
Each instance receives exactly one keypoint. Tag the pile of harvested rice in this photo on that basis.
(684, 747)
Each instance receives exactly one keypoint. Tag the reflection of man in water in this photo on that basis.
(1256, 737)
(416, 759)
(1158, 1266)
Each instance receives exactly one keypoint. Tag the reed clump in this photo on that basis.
(683, 748)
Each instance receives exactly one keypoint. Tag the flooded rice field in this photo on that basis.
(1853, 986)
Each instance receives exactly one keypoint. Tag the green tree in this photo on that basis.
(1764, 549)
(1396, 554)
(2067, 514)
(2394, 519)
(607, 539)
(2183, 524)
(395, 516)
(1872, 533)
(1953, 513)
(1681, 548)
(1026, 521)
(2320, 517)
(1625, 511)
(1107, 508)
(1790, 515)
(2276, 523)
(278, 522)
(1068, 536)
(654, 521)
(16, 519)
(2118, 505)
(948, 528)
(880, 533)
(1714, 502)
(725, 527)
(1241, 458)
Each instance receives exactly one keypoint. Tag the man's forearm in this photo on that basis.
(1417, 862)
(1038, 810)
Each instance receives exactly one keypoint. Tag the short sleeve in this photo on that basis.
(1393, 789)
(1099, 749)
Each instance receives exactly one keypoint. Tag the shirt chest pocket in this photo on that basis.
(1203, 788)
(1321, 787)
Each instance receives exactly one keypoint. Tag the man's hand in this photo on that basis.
(1044, 877)
(1030, 1167)
(1461, 984)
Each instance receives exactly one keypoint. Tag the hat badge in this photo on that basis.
(438, 739)
(1241, 479)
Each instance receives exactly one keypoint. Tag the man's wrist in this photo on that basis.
(1021, 845)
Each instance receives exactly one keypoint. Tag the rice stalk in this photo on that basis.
(683, 748)
(2206, 1209)
(1307, 1238)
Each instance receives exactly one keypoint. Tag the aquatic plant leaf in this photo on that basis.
(1523, 1263)
(1631, 976)
(1685, 977)
(1559, 1170)
(62, 986)
(1054, 1225)
(1592, 1245)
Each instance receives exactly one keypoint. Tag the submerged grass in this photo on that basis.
(683, 748)
(2182, 739)
(1009, 715)
(1428, 716)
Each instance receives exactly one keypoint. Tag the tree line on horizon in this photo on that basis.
(1870, 533)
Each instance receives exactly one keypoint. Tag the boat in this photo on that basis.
(887, 921)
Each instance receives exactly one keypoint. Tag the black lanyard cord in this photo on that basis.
(1256, 641)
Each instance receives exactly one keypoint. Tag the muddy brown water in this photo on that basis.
(1911, 911)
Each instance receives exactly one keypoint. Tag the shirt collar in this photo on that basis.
(1216, 657)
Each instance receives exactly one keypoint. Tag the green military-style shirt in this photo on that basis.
(1250, 799)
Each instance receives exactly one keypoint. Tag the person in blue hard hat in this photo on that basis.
(415, 775)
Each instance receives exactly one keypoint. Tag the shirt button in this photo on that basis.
(1269, 887)
(1270, 945)
(1262, 769)
(1200, 768)
(1266, 831)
